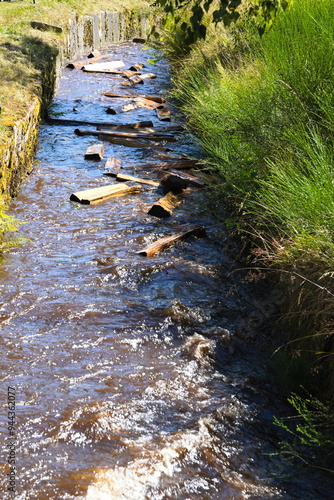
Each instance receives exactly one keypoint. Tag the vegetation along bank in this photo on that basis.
(258, 95)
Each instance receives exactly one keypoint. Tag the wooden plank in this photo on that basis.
(163, 114)
(112, 167)
(97, 195)
(165, 206)
(177, 183)
(167, 241)
(80, 64)
(95, 152)
(125, 178)
(137, 67)
(111, 125)
(130, 143)
(140, 79)
(157, 99)
(106, 67)
(130, 135)
(95, 53)
(129, 72)
(179, 164)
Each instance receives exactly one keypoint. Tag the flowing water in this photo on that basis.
(136, 378)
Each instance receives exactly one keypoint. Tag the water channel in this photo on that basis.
(134, 376)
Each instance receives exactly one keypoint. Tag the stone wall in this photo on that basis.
(17, 148)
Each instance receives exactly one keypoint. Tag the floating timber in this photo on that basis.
(106, 67)
(125, 178)
(111, 125)
(137, 67)
(176, 182)
(95, 53)
(167, 241)
(80, 64)
(95, 152)
(157, 99)
(140, 79)
(163, 114)
(112, 166)
(129, 142)
(165, 206)
(123, 134)
(97, 195)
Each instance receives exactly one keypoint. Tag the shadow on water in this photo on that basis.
(137, 378)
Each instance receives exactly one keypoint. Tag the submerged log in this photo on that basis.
(140, 79)
(167, 241)
(177, 183)
(112, 126)
(157, 99)
(125, 178)
(97, 195)
(112, 166)
(163, 114)
(106, 67)
(137, 67)
(129, 142)
(80, 64)
(95, 152)
(165, 206)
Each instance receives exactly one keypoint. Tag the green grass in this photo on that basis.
(263, 111)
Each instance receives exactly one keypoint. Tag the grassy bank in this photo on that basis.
(263, 111)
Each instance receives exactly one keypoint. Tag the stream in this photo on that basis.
(137, 378)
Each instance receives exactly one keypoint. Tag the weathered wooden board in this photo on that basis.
(125, 178)
(165, 206)
(97, 195)
(80, 64)
(106, 67)
(176, 183)
(95, 152)
(167, 241)
(179, 164)
(137, 67)
(112, 166)
(163, 114)
(95, 53)
(140, 79)
(130, 143)
(157, 99)
(127, 73)
(122, 134)
(111, 126)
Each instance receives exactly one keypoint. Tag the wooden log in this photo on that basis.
(95, 152)
(146, 103)
(130, 107)
(129, 72)
(113, 166)
(125, 178)
(137, 67)
(95, 53)
(165, 206)
(139, 40)
(179, 164)
(158, 99)
(106, 67)
(111, 126)
(122, 134)
(167, 241)
(130, 143)
(177, 183)
(141, 78)
(80, 64)
(163, 114)
(97, 195)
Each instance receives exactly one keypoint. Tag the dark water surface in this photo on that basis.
(135, 377)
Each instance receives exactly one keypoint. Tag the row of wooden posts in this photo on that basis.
(171, 172)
